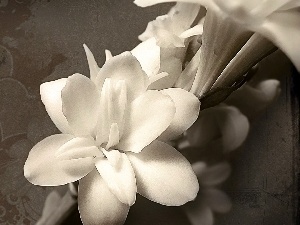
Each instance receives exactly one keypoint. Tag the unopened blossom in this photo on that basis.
(113, 132)
(210, 198)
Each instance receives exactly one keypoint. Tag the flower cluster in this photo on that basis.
(130, 126)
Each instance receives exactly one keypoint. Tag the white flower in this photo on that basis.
(220, 127)
(173, 29)
(110, 125)
(209, 199)
(162, 66)
(260, 95)
(278, 21)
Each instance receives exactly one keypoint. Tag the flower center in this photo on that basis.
(113, 101)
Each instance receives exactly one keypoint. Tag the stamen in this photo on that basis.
(114, 136)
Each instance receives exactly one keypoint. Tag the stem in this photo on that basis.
(256, 48)
(222, 39)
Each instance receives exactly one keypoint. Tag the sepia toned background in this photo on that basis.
(41, 40)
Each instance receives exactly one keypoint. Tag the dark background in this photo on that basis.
(42, 40)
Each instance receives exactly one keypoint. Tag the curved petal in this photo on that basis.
(118, 176)
(93, 66)
(51, 98)
(149, 115)
(125, 67)
(145, 3)
(217, 200)
(196, 30)
(80, 100)
(186, 78)
(282, 28)
(171, 65)
(213, 175)
(187, 111)
(222, 124)
(234, 127)
(43, 168)
(198, 213)
(78, 147)
(261, 96)
(163, 175)
(183, 15)
(97, 205)
(148, 54)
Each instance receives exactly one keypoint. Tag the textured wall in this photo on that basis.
(42, 40)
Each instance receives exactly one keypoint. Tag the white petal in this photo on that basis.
(171, 65)
(78, 147)
(224, 125)
(187, 110)
(282, 28)
(186, 78)
(93, 66)
(149, 115)
(259, 96)
(108, 55)
(125, 67)
(163, 175)
(148, 54)
(183, 15)
(196, 30)
(51, 97)
(145, 3)
(43, 168)
(97, 205)
(217, 200)
(198, 213)
(118, 176)
(213, 175)
(80, 100)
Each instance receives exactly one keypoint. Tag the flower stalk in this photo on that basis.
(222, 38)
(256, 48)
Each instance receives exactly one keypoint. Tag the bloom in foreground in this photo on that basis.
(278, 21)
(110, 127)
(209, 199)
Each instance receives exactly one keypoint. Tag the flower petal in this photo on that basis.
(187, 110)
(93, 66)
(196, 30)
(125, 67)
(222, 125)
(260, 95)
(148, 54)
(78, 147)
(217, 200)
(80, 100)
(163, 175)
(119, 176)
(51, 97)
(183, 15)
(198, 213)
(282, 28)
(144, 122)
(43, 168)
(97, 205)
(145, 3)
(213, 175)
